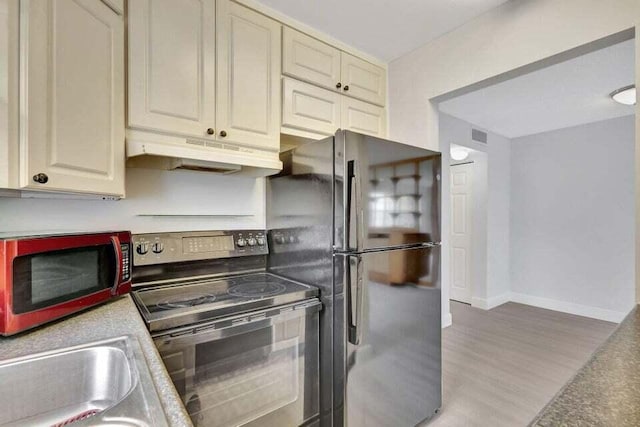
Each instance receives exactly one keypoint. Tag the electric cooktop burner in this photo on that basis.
(256, 289)
(175, 304)
(189, 301)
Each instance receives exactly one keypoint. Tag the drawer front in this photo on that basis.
(311, 108)
(309, 59)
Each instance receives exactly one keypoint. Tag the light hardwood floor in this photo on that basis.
(500, 367)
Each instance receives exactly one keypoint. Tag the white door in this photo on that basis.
(248, 66)
(362, 117)
(72, 107)
(172, 66)
(363, 80)
(461, 205)
(309, 107)
(309, 59)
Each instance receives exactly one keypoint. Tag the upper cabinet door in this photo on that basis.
(172, 66)
(248, 65)
(309, 107)
(363, 117)
(363, 80)
(72, 103)
(309, 59)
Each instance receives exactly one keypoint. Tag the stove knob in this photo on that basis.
(251, 241)
(260, 241)
(279, 240)
(142, 248)
(292, 239)
(157, 248)
(241, 243)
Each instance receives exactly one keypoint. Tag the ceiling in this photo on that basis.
(385, 29)
(567, 94)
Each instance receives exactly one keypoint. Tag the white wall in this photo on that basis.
(494, 288)
(178, 200)
(516, 37)
(572, 219)
(513, 35)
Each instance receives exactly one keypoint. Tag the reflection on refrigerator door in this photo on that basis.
(393, 358)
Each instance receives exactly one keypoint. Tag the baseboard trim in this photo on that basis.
(568, 307)
(489, 303)
(447, 320)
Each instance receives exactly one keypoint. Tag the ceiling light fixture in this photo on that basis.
(625, 95)
(459, 153)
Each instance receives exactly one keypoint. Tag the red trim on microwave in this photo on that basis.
(11, 323)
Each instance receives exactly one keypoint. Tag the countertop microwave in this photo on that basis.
(48, 276)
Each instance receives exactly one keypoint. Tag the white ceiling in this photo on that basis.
(568, 94)
(385, 29)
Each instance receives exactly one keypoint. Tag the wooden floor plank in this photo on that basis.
(500, 367)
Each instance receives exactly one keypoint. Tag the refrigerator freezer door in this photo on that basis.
(391, 341)
(390, 193)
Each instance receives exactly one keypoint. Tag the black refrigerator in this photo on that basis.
(359, 217)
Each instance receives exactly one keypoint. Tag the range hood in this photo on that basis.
(206, 156)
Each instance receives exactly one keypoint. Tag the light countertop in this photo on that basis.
(115, 318)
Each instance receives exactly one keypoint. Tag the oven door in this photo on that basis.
(257, 369)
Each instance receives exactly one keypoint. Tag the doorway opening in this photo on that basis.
(559, 154)
(468, 237)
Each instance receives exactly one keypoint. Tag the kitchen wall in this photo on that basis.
(155, 201)
(572, 219)
(502, 43)
(494, 290)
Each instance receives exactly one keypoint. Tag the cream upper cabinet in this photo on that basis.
(72, 96)
(314, 112)
(309, 59)
(309, 107)
(248, 76)
(363, 80)
(363, 117)
(172, 66)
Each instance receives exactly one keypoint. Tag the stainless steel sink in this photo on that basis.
(100, 383)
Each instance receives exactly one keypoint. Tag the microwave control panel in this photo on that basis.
(126, 262)
(160, 248)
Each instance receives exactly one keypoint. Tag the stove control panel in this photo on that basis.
(161, 248)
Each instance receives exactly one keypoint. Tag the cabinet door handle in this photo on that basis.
(339, 85)
(41, 178)
(223, 133)
(346, 88)
(210, 131)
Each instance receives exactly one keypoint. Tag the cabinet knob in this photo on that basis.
(41, 178)
(210, 131)
(339, 85)
(223, 133)
(346, 88)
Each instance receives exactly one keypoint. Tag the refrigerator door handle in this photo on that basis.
(404, 247)
(354, 315)
(354, 209)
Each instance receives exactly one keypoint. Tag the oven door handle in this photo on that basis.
(115, 241)
(236, 325)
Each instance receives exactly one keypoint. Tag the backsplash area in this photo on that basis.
(155, 201)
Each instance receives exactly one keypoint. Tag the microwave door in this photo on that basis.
(390, 193)
(391, 342)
